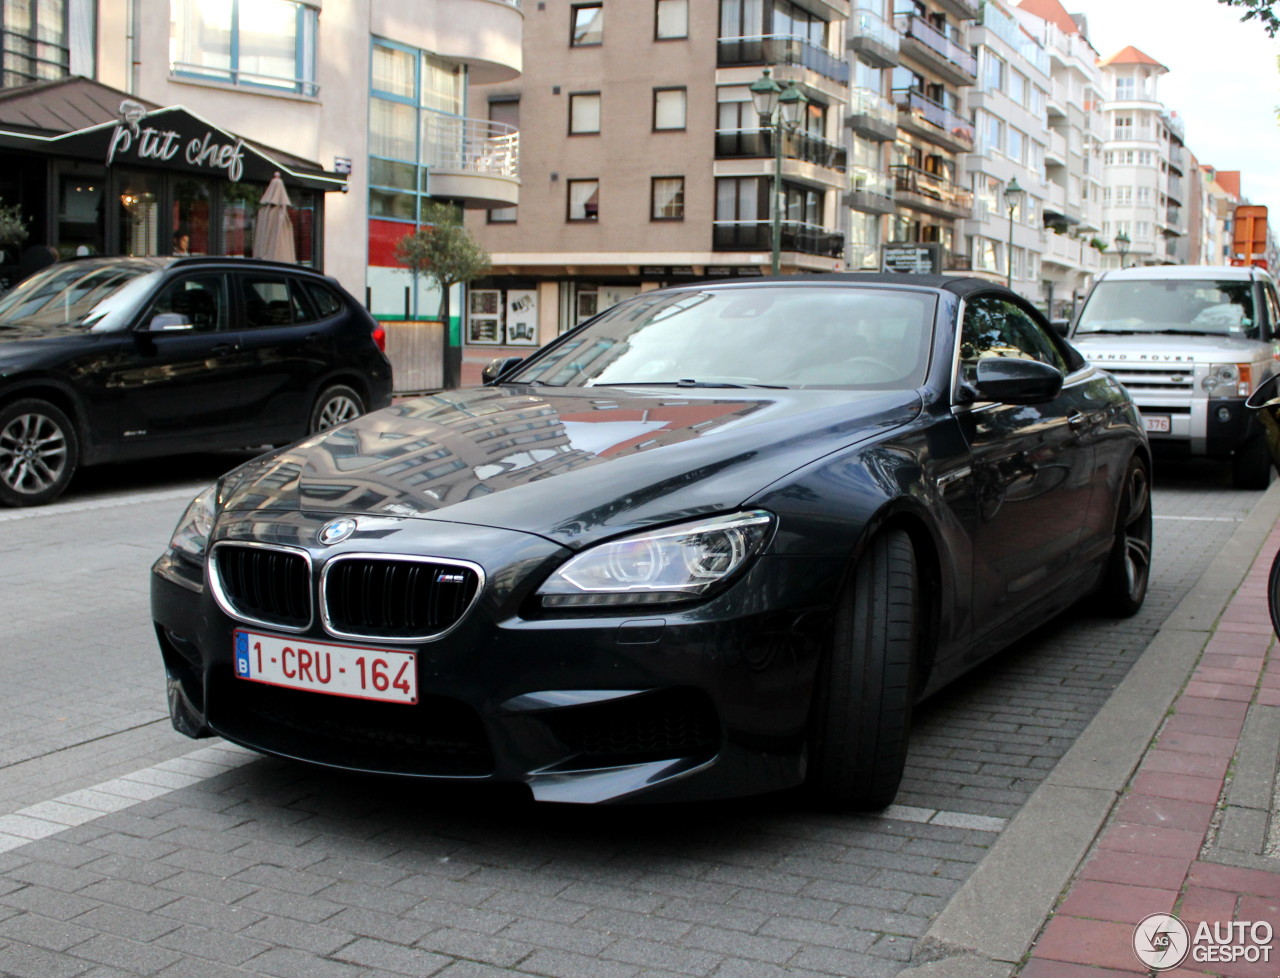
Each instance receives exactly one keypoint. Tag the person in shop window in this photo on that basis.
(181, 242)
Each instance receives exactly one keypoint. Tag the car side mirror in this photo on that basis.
(169, 322)
(1015, 380)
(1060, 326)
(498, 366)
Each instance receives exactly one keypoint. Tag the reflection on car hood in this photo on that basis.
(1104, 348)
(572, 465)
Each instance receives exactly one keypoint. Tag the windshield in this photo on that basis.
(753, 336)
(1203, 307)
(78, 296)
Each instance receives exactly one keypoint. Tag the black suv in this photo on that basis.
(109, 359)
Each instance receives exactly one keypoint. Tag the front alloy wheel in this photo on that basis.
(38, 453)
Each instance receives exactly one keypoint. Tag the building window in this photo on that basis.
(669, 108)
(994, 76)
(1018, 87)
(584, 200)
(1016, 144)
(35, 40)
(668, 199)
(587, 25)
(415, 122)
(264, 43)
(1125, 88)
(584, 112)
(671, 20)
(994, 138)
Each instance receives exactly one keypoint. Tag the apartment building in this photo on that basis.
(1072, 245)
(1006, 170)
(362, 104)
(1145, 163)
(935, 68)
(1221, 195)
(873, 49)
(646, 162)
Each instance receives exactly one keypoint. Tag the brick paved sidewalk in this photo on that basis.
(1190, 837)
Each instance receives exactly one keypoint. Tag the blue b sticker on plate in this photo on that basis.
(242, 654)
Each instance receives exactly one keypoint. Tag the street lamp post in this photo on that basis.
(777, 109)
(1012, 194)
(1122, 246)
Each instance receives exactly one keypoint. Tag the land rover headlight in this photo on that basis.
(675, 563)
(1227, 380)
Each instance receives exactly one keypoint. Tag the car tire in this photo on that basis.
(1251, 465)
(1124, 583)
(39, 452)
(334, 406)
(866, 685)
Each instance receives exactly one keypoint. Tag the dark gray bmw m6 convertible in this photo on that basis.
(717, 540)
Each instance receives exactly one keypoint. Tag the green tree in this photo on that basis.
(1259, 10)
(447, 255)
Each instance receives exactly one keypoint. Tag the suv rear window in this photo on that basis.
(1195, 306)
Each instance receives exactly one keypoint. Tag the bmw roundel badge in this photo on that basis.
(336, 532)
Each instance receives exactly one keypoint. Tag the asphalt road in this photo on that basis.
(127, 849)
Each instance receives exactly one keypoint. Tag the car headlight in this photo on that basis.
(1227, 380)
(674, 563)
(191, 535)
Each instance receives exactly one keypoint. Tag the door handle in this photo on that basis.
(222, 349)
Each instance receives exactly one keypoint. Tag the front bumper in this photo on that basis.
(711, 700)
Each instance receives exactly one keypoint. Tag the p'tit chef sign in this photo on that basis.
(207, 151)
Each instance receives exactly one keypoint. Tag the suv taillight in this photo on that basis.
(380, 337)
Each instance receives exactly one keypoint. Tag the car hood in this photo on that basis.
(1104, 348)
(572, 466)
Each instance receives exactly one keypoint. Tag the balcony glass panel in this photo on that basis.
(810, 239)
(758, 144)
(866, 23)
(930, 111)
(871, 181)
(863, 101)
(782, 49)
(922, 183)
(931, 37)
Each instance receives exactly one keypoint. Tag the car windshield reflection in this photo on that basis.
(78, 296)
(770, 336)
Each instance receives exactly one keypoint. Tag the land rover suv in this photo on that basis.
(1191, 343)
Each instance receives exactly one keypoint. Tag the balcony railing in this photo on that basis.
(928, 35)
(874, 39)
(931, 192)
(811, 239)
(758, 144)
(872, 115)
(471, 146)
(782, 49)
(956, 127)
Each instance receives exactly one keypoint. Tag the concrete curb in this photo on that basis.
(985, 930)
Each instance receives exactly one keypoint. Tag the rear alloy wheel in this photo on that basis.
(38, 453)
(1251, 465)
(1124, 585)
(866, 686)
(335, 406)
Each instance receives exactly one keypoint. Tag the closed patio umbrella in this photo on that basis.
(273, 231)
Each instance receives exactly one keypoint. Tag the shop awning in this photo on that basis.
(84, 119)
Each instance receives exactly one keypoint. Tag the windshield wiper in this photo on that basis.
(688, 382)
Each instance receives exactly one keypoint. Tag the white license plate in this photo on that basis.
(338, 670)
(1156, 422)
